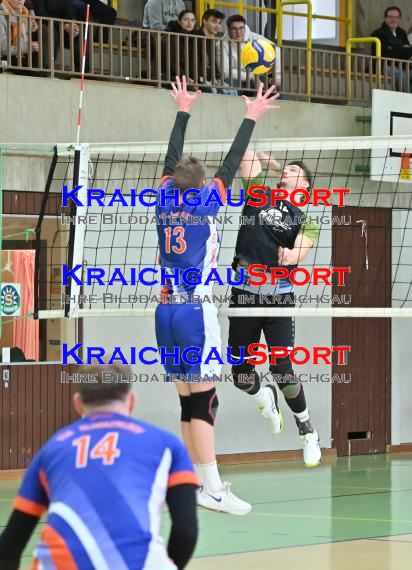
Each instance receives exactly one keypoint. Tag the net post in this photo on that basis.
(37, 232)
(76, 233)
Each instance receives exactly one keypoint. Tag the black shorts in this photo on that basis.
(278, 331)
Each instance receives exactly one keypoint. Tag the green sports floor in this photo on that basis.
(348, 513)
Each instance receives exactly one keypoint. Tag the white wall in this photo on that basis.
(401, 328)
(240, 428)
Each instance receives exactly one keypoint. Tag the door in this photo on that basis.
(361, 407)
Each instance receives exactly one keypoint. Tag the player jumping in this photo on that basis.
(274, 240)
(103, 481)
(185, 324)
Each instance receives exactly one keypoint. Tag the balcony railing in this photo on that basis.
(151, 57)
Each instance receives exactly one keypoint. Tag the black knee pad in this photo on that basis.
(283, 367)
(290, 385)
(246, 378)
(185, 414)
(287, 380)
(204, 406)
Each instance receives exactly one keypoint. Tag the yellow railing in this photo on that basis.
(349, 44)
(279, 34)
(345, 18)
(201, 7)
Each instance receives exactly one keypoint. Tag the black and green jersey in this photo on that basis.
(273, 226)
(268, 228)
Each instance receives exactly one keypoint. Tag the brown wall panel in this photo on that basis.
(33, 406)
(5, 428)
(30, 202)
(15, 394)
(363, 405)
(27, 447)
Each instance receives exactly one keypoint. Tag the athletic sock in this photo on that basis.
(303, 416)
(304, 426)
(198, 471)
(210, 477)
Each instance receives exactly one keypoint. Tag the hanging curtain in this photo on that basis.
(25, 331)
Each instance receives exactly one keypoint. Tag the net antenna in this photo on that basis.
(79, 179)
(124, 236)
(86, 33)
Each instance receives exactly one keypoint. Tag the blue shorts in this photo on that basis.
(186, 325)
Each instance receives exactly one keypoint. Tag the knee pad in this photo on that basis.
(185, 413)
(246, 378)
(283, 367)
(204, 406)
(289, 385)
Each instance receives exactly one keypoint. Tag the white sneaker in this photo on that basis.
(311, 449)
(223, 501)
(199, 492)
(270, 410)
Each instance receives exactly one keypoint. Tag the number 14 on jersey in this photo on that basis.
(105, 449)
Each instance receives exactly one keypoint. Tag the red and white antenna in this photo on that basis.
(86, 32)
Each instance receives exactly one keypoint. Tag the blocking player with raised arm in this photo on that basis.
(196, 325)
(276, 239)
(103, 481)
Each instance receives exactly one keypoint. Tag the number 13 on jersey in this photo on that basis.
(179, 235)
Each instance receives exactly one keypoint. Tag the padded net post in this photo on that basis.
(77, 233)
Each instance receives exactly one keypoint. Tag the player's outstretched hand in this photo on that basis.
(255, 108)
(184, 99)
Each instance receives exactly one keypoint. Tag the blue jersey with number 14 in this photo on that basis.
(103, 481)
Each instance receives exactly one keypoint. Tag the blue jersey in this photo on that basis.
(190, 244)
(103, 480)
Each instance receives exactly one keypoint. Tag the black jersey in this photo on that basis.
(272, 226)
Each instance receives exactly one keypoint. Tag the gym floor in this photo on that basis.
(347, 513)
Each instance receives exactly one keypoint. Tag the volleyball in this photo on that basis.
(258, 56)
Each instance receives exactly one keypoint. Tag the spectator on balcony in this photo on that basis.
(395, 44)
(175, 58)
(99, 11)
(64, 10)
(239, 32)
(158, 13)
(20, 29)
(212, 21)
